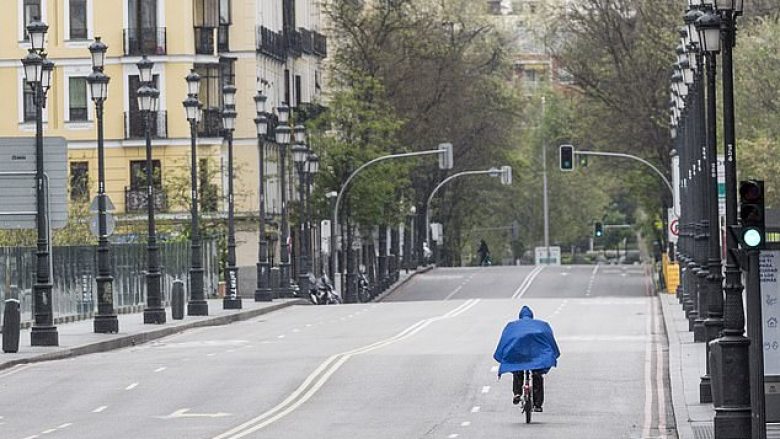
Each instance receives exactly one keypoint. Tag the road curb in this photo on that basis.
(681, 415)
(392, 289)
(154, 334)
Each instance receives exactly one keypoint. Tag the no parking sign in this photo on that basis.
(674, 226)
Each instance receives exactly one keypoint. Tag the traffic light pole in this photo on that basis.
(632, 157)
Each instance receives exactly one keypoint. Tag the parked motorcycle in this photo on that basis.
(322, 292)
(364, 288)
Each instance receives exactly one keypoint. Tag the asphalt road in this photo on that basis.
(417, 365)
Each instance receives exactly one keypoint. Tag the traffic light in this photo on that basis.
(446, 160)
(598, 230)
(567, 157)
(751, 213)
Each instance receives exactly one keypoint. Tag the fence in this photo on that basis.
(74, 268)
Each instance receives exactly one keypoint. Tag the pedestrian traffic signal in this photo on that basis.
(598, 230)
(567, 157)
(751, 213)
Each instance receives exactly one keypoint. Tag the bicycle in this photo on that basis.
(527, 399)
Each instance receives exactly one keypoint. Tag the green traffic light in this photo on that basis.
(751, 237)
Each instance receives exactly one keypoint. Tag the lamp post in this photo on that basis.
(313, 164)
(105, 320)
(148, 101)
(197, 305)
(37, 72)
(300, 155)
(730, 353)
(283, 136)
(232, 300)
(263, 292)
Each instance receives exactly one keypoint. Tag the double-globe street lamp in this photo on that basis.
(38, 71)
(263, 292)
(283, 139)
(148, 103)
(232, 299)
(105, 320)
(197, 305)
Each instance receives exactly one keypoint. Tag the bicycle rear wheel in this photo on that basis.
(528, 409)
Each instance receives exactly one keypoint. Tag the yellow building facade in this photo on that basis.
(223, 40)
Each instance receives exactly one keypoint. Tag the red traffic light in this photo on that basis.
(751, 191)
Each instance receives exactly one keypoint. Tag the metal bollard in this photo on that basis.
(11, 326)
(177, 300)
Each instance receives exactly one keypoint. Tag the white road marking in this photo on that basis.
(475, 409)
(465, 424)
(485, 389)
(32, 437)
(51, 430)
(211, 354)
(65, 425)
(131, 386)
(160, 369)
(184, 413)
(453, 435)
(281, 336)
(16, 369)
(100, 409)
(527, 282)
(454, 292)
(326, 369)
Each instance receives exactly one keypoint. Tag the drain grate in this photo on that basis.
(703, 430)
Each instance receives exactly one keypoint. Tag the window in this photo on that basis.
(77, 108)
(78, 19)
(287, 87)
(206, 13)
(210, 91)
(138, 174)
(298, 90)
(227, 71)
(29, 102)
(79, 181)
(32, 10)
(224, 12)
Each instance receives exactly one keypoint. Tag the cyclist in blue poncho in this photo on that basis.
(527, 344)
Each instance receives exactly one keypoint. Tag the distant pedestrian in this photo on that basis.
(484, 253)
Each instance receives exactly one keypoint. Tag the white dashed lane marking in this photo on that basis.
(485, 389)
(465, 423)
(100, 409)
(160, 369)
(131, 386)
(475, 409)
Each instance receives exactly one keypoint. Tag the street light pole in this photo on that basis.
(232, 299)
(283, 135)
(105, 320)
(38, 71)
(730, 357)
(263, 292)
(313, 163)
(148, 100)
(197, 305)
(300, 156)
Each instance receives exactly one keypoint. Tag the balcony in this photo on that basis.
(204, 41)
(307, 41)
(271, 44)
(135, 200)
(293, 41)
(144, 41)
(320, 45)
(211, 124)
(134, 125)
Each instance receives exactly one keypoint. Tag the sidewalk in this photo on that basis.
(686, 366)
(78, 338)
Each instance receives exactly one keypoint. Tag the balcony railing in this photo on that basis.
(307, 41)
(204, 41)
(271, 43)
(134, 125)
(320, 45)
(136, 199)
(145, 41)
(293, 40)
(211, 124)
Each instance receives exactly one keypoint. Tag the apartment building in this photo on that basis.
(274, 46)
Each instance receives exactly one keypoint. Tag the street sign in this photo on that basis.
(674, 226)
(93, 206)
(110, 225)
(436, 232)
(18, 205)
(542, 258)
(770, 310)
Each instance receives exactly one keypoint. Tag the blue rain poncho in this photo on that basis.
(526, 344)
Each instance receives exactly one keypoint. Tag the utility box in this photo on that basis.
(770, 313)
(11, 326)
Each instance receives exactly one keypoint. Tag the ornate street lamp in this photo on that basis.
(197, 305)
(105, 320)
(148, 102)
(283, 135)
(313, 164)
(38, 75)
(263, 292)
(232, 299)
(300, 155)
